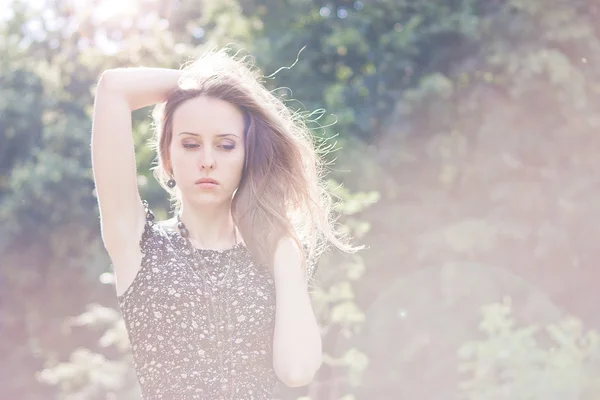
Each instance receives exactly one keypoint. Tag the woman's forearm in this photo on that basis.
(140, 86)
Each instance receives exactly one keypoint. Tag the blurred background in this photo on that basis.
(467, 161)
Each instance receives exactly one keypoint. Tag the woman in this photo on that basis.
(216, 299)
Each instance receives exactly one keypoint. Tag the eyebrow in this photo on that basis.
(195, 134)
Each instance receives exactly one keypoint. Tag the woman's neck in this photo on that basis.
(209, 228)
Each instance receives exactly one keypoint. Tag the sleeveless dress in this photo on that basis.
(174, 350)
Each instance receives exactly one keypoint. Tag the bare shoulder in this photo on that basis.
(127, 261)
(288, 261)
(169, 224)
(287, 249)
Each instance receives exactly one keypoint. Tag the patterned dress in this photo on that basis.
(176, 353)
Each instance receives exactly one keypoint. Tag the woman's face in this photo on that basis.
(207, 142)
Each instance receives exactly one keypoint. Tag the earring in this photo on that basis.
(171, 183)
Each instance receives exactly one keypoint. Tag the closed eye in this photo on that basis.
(192, 145)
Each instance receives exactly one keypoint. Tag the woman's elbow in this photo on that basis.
(298, 379)
(295, 377)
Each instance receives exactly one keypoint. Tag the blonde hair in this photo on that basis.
(282, 191)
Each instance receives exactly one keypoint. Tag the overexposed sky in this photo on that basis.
(104, 12)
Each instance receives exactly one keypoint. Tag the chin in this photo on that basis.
(209, 199)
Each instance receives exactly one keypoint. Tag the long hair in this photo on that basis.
(282, 191)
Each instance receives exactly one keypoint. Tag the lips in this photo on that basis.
(207, 180)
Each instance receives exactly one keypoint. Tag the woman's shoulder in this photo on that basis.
(169, 225)
(156, 231)
(166, 229)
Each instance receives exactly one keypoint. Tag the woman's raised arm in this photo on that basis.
(119, 92)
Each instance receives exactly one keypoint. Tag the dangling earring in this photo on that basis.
(171, 183)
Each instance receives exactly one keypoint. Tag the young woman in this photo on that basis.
(215, 300)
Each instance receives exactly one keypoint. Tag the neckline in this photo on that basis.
(217, 251)
(181, 228)
(169, 228)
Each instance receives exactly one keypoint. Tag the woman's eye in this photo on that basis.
(223, 146)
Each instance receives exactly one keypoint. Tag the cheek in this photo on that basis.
(235, 167)
(181, 156)
(239, 163)
(178, 161)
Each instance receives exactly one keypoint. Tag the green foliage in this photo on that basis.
(523, 363)
(91, 375)
(335, 303)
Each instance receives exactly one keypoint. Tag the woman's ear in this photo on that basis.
(167, 167)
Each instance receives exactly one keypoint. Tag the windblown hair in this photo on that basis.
(282, 191)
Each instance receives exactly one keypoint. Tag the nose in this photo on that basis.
(207, 160)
